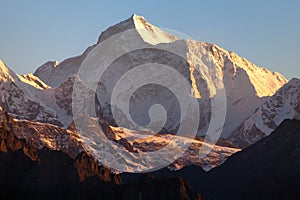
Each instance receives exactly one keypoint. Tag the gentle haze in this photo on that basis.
(265, 32)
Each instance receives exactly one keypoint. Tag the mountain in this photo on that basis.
(285, 104)
(27, 97)
(46, 95)
(20, 97)
(208, 68)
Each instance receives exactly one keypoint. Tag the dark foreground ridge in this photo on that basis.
(29, 173)
(268, 169)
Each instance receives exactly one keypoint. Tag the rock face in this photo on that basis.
(285, 104)
(40, 135)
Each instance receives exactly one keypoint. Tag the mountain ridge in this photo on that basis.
(283, 105)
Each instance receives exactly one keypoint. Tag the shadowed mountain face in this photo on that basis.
(268, 169)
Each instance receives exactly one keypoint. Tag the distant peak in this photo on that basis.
(140, 18)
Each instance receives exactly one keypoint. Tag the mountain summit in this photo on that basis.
(148, 32)
(54, 73)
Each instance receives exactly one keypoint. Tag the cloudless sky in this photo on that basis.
(265, 32)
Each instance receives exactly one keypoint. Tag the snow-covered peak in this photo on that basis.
(54, 73)
(148, 32)
(285, 104)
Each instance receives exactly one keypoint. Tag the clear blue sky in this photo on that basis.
(265, 32)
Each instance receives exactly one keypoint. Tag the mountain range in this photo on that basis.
(37, 123)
